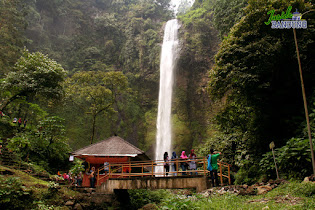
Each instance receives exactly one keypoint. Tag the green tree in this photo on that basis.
(49, 145)
(96, 92)
(226, 13)
(34, 74)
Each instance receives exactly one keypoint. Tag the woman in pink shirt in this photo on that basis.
(184, 165)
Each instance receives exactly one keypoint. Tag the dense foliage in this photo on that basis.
(103, 36)
(96, 92)
(110, 50)
(293, 159)
(13, 195)
(256, 73)
(46, 147)
(34, 75)
(12, 37)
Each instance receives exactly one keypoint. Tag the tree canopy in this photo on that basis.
(33, 75)
(96, 92)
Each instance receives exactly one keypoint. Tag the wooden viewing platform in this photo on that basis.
(143, 175)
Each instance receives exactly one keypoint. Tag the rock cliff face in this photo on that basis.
(192, 104)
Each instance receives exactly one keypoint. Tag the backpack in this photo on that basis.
(209, 163)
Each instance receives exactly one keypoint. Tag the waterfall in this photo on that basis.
(167, 64)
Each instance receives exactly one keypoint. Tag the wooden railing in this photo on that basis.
(156, 169)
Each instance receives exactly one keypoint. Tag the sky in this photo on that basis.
(176, 3)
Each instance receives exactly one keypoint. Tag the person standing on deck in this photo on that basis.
(184, 164)
(92, 177)
(192, 163)
(166, 163)
(173, 163)
(106, 167)
(214, 164)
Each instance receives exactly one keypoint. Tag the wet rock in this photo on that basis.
(77, 207)
(222, 191)
(69, 203)
(250, 190)
(149, 206)
(280, 181)
(263, 189)
(306, 179)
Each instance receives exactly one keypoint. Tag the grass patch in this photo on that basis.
(25, 178)
(292, 195)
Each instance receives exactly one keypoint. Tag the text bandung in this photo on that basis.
(289, 24)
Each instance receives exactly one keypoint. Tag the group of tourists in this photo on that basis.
(72, 180)
(191, 165)
(189, 162)
(16, 120)
(19, 122)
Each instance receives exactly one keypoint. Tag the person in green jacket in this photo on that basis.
(214, 164)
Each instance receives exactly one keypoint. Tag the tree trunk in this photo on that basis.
(93, 128)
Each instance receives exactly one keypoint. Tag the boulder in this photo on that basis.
(150, 206)
(306, 179)
(77, 207)
(69, 203)
(263, 189)
(249, 191)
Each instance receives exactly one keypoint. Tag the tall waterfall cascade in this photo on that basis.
(169, 54)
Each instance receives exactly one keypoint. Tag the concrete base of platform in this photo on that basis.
(179, 182)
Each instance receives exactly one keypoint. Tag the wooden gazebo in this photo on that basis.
(111, 150)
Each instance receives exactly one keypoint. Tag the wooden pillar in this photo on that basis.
(109, 171)
(229, 174)
(204, 166)
(98, 177)
(177, 168)
(221, 177)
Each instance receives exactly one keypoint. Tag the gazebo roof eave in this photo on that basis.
(105, 155)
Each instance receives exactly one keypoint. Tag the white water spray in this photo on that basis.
(167, 65)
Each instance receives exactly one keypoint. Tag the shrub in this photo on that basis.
(248, 173)
(13, 195)
(52, 190)
(293, 160)
(139, 198)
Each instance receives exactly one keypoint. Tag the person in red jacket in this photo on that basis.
(20, 122)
